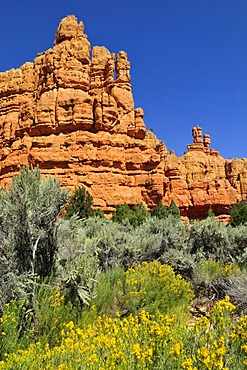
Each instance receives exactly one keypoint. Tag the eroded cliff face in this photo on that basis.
(71, 112)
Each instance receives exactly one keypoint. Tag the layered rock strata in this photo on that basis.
(71, 112)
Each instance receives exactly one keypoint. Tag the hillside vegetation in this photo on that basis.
(79, 291)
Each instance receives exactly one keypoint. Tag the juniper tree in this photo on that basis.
(122, 213)
(238, 214)
(140, 214)
(174, 210)
(80, 203)
(160, 211)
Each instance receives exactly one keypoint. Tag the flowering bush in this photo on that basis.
(149, 286)
(143, 341)
(156, 334)
(152, 286)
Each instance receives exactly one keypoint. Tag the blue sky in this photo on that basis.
(188, 58)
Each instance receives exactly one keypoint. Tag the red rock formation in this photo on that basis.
(202, 178)
(71, 112)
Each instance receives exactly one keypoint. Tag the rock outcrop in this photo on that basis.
(71, 112)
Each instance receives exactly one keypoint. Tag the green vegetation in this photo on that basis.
(135, 217)
(122, 213)
(210, 212)
(160, 211)
(147, 286)
(239, 214)
(80, 203)
(85, 292)
(174, 210)
(28, 212)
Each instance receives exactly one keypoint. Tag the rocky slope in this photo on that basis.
(71, 112)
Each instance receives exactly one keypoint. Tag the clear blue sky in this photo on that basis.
(188, 58)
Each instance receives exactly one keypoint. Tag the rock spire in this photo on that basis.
(71, 112)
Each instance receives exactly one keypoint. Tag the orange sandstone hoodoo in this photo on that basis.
(71, 112)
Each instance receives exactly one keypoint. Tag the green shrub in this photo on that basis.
(28, 219)
(99, 213)
(80, 203)
(51, 312)
(155, 287)
(15, 328)
(159, 237)
(110, 292)
(174, 210)
(210, 212)
(160, 211)
(21, 325)
(238, 214)
(135, 217)
(210, 278)
(238, 240)
(122, 213)
(209, 239)
(182, 261)
(28, 215)
(115, 245)
(149, 286)
(77, 264)
(140, 214)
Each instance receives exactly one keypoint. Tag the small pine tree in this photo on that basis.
(80, 203)
(135, 217)
(210, 212)
(99, 213)
(238, 214)
(140, 214)
(160, 211)
(122, 213)
(174, 210)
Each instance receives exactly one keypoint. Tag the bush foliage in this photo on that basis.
(239, 214)
(28, 214)
(111, 289)
(142, 341)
